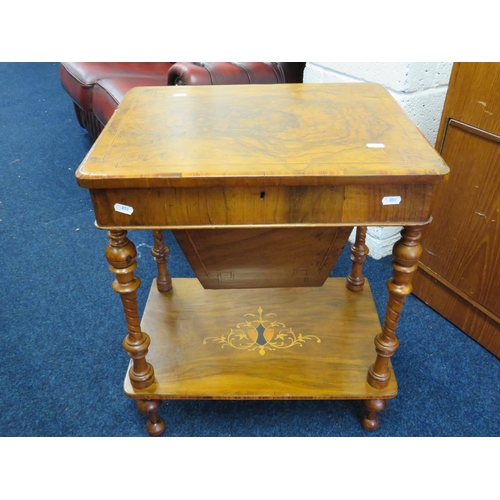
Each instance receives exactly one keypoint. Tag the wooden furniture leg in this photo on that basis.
(155, 424)
(160, 254)
(406, 254)
(121, 255)
(359, 251)
(370, 418)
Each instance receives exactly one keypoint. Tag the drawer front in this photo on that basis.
(272, 205)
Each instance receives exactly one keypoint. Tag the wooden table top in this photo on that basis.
(236, 135)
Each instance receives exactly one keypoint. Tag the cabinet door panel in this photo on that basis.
(473, 95)
(463, 242)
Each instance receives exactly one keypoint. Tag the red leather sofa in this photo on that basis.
(97, 88)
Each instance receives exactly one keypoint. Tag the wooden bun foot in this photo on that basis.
(155, 428)
(155, 424)
(370, 421)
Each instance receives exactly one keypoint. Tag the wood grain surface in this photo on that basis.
(261, 258)
(315, 343)
(459, 271)
(263, 205)
(291, 134)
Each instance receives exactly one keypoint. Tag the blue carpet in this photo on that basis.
(62, 326)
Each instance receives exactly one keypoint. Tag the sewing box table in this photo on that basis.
(261, 186)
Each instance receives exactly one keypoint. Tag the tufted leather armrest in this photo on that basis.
(79, 78)
(231, 73)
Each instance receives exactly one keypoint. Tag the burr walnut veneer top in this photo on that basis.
(293, 134)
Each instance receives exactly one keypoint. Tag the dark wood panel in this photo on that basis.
(463, 241)
(262, 258)
(473, 96)
(230, 206)
(459, 271)
(462, 313)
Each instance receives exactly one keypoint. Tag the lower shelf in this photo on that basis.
(281, 343)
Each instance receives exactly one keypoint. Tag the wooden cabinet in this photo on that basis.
(459, 271)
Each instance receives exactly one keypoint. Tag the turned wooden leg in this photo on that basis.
(370, 418)
(160, 254)
(155, 425)
(406, 254)
(359, 251)
(121, 255)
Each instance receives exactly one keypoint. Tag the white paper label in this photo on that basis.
(391, 200)
(124, 209)
(375, 145)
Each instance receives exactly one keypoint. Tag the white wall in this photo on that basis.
(420, 89)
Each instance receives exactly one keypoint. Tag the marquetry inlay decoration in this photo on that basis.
(261, 332)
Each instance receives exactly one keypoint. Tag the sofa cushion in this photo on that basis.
(231, 73)
(79, 78)
(109, 92)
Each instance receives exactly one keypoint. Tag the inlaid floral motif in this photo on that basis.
(263, 333)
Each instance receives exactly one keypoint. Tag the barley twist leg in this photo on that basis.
(359, 251)
(160, 253)
(406, 253)
(121, 255)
